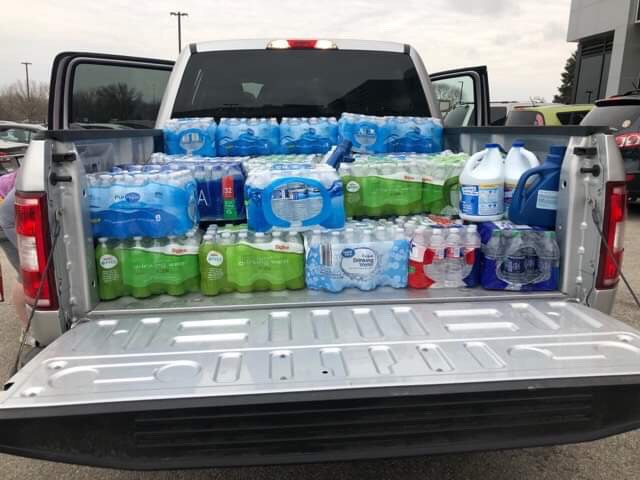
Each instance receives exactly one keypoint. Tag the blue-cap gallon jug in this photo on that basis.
(535, 202)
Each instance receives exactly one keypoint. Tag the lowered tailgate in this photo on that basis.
(279, 385)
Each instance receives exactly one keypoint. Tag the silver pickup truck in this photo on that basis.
(304, 376)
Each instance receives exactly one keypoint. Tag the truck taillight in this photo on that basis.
(628, 140)
(615, 213)
(301, 43)
(34, 245)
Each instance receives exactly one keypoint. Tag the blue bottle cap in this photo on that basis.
(518, 143)
(492, 145)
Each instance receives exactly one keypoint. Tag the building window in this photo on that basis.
(594, 56)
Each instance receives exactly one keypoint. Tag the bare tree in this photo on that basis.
(17, 106)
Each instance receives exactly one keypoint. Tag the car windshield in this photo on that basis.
(276, 83)
(613, 116)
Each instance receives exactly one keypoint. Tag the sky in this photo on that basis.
(523, 43)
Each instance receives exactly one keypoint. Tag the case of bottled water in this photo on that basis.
(298, 196)
(366, 133)
(414, 134)
(443, 254)
(234, 259)
(219, 184)
(518, 257)
(141, 267)
(247, 136)
(373, 134)
(308, 135)
(401, 184)
(441, 187)
(191, 136)
(136, 200)
(363, 255)
(381, 186)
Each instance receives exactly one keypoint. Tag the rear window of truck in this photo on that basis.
(277, 83)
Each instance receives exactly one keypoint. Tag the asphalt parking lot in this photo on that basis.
(616, 457)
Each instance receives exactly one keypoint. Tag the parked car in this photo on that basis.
(14, 140)
(622, 114)
(306, 376)
(549, 115)
(19, 132)
(500, 110)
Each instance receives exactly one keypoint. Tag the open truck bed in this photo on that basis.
(291, 383)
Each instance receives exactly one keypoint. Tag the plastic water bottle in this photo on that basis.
(514, 271)
(471, 246)
(453, 260)
(549, 256)
(434, 259)
(138, 270)
(531, 245)
(109, 268)
(493, 250)
(294, 264)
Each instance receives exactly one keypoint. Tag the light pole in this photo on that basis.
(26, 69)
(179, 15)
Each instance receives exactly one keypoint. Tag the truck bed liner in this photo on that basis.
(322, 383)
(228, 353)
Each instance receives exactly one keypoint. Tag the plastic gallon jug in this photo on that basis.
(482, 186)
(518, 161)
(297, 196)
(536, 202)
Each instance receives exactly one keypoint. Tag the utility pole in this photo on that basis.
(179, 15)
(26, 69)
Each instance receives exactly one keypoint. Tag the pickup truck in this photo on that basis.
(304, 376)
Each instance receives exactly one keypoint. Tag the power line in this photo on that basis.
(179, 15)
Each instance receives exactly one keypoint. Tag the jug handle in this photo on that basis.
(523, 181)
(532, 159)
(449, 185)
(473, 161)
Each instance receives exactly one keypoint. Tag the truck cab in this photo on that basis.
(304, 376)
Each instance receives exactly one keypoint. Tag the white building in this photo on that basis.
(608, 36)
